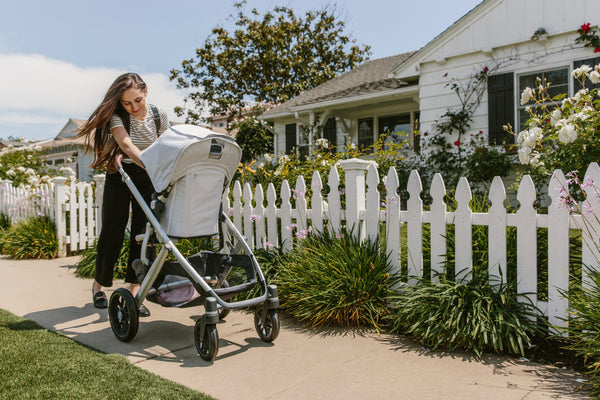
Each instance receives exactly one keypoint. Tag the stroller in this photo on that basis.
(190, 167)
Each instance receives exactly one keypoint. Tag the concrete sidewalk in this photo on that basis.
(299, 364)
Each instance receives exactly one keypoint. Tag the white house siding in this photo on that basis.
(495, 32)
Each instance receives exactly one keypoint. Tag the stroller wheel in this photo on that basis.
(208, 344)
(267, 329)
(123, 315)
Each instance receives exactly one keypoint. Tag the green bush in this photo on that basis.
(471, 314)
(335, 280)
(31, 238)
(583, 326)
(86, 267)
(268, 261)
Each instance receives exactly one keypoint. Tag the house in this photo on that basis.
(492, 54)
(65, 151)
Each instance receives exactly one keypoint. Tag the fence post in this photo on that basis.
(354, 171)
(59, 215)
(99, 179)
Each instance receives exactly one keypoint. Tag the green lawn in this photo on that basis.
(36, 363)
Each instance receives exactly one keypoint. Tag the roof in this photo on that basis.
(370, 77)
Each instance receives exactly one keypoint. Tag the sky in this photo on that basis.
(58, 57)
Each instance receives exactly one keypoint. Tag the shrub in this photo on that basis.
(476, 315)
(31, 238)
(583, 326)
(335, 280)
(86, 267)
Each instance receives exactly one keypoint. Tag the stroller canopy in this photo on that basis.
(182, 149)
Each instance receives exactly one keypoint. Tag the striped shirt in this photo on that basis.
(142, 133)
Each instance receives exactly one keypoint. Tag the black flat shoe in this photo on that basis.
(144, 312)
(100, 300)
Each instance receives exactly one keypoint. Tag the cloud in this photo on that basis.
(40, 90)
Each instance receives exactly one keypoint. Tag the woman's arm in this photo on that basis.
(125, 143)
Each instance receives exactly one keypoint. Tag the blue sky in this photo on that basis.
(57, 58)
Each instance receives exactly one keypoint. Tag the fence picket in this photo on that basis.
(392, 221)
(527, 240)
(414, 226)
(438, 225)
(497, 230)
(373, 203)
(558, 252)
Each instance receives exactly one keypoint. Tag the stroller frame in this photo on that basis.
(123, 307)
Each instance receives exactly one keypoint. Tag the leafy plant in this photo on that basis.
(31, 238)
(86, 267)
(338, 280)
(466, 314)
(583, 326)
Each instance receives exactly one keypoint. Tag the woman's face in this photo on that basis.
(133, 101)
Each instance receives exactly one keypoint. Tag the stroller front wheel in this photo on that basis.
(208, 343)
(123, 315)
(267, 328)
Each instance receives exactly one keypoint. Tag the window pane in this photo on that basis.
(559, 84)
(365, 133)
(396, 127)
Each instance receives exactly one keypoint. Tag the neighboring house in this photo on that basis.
(65, 151)
(513, 41)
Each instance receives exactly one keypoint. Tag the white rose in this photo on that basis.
(526, 95)
(595, 77)
(524, 155)
(567, 134)
(581, 71)
(555, 116)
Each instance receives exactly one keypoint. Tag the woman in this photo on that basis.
(121, 126)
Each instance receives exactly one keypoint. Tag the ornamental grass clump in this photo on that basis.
(335, 280)
(31, 238)
(86, 267)
(473, 314)
(583, 327)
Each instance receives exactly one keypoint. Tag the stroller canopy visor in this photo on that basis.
(185, 148)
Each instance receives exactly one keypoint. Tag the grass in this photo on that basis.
(36, 363)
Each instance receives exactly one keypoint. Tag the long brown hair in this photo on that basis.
(96, 130)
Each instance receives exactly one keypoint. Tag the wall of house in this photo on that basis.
(499, 38)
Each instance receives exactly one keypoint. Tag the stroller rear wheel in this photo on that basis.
(208, 343)
(123, 315)
(267, 328)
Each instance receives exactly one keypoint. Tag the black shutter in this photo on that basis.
(290, 138)
(592, 62)
(501, 108)
(330, 132)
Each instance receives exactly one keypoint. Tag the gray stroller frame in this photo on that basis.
(212, 287)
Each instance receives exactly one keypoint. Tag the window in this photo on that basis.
(397, 128)
(559, 84)
(290, 138)
(501, 104)
(365, 133)
(330, 132)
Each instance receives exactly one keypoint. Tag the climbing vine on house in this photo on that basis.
(466, 155)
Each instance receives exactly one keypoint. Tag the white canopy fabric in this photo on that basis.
(183, 148)
(198, 163)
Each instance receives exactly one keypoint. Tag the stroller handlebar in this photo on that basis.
(118, 160)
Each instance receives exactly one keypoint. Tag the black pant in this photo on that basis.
(115, 213)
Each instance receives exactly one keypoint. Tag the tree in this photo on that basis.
(264, 61)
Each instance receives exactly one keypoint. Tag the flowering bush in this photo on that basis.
(588, 37)
(561, 132)
(24, 166)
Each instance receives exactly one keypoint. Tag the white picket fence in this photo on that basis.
(73, 207)
(365, 212)
(76, 210)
